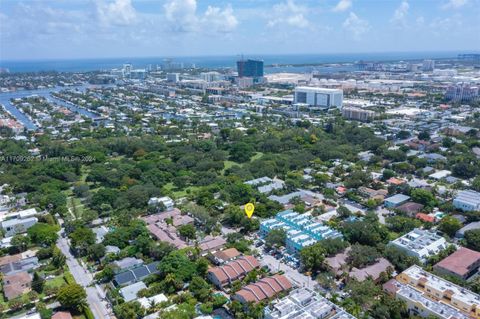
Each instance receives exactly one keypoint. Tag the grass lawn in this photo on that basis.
(256, 156)
(178, 193)
(55, 282)
(227, 164)
(75, 206)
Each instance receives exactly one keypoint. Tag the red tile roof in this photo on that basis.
(425, 217)
(234, 270)
(460, 261)
(62, 315)
(227, 254)
(263, 289)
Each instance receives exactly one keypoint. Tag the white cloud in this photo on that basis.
(343, 5)
(182, 16)
(290, 14)
(454, 4)
(220, 20)
(118, 12)
(400, 14)
(356, 25)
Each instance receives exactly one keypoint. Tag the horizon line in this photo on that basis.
(233, 55)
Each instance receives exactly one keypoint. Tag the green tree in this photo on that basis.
(129, 310)
(276, 238)
(399, 258)
(199, 288)
(333, 246)
(365, 232)
(187, 231)
(423, 196)
(20, 243)
(402, 224)
(449, 225)
(363, 293)
(360, 256)
(96, 251)
(476, 184)
(43, 234)
(179, 264)
(312, 257)
(424, 136)
(81, 238)
(472, 239)
(38, 283)
(389, 308)
(241, 152)
(58, 258)
(72, 296)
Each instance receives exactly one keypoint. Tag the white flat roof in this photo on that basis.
(318, 89)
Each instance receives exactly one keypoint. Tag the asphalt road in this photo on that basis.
(84, 278)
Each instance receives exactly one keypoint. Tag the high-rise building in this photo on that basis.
(127, 68)
(358, 114)
(173, 77)
(462, 93)
(250, 68)
(318, 97)
(211, 76)
(428, 65)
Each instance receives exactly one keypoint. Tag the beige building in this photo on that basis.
(427, 294)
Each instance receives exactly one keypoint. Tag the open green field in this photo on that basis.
(228, 164)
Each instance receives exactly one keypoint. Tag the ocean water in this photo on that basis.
(211, 62)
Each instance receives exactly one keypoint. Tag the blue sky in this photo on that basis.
(64, 29)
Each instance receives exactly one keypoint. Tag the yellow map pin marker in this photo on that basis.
(249, 208)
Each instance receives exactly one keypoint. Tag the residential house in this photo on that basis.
(338, 262)
(16, 284)
(130, 292)
(410, 208)
(372, 271)
(167, 202)
(224, 275)
(25, 261)
(461, 264)
(265, 288)
(211, 244)
(136, 274)
(224, 256)
(461, 232)
(127, 263)
(16, 226)
(395, 200)
(62, 315)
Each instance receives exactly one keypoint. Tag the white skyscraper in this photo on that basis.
(318, 97)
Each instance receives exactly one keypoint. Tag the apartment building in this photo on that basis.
(467, 200)
(306, 304)
(420, 243)
(301, 230)
(427, 294)
(357, 114)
